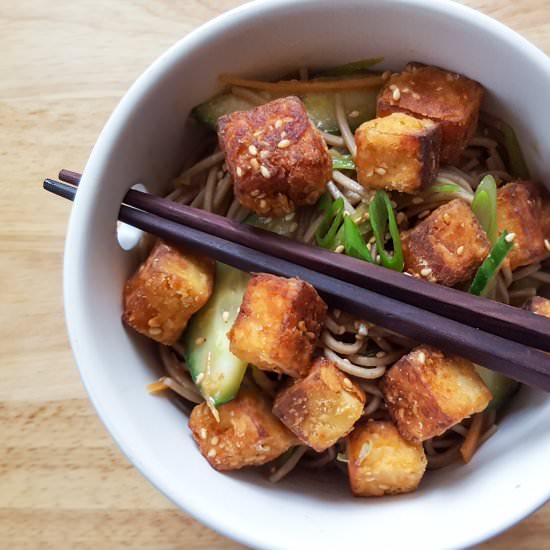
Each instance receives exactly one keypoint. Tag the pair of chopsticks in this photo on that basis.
(505, 339)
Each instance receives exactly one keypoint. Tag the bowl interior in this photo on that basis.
(146, 141)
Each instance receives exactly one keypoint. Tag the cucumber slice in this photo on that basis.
(281, 226)
(209, 111)
(501, 387)
(359, 103)
(214, 369)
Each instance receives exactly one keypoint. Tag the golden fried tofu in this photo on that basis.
(539, 305)
(165, 291)
(278, 325)
(277, 159)
(519, 210)
(322, 407)
(451, 99)
(447, 247)
(397, 152)
(248, 434)
(381, 462)
(427, 392)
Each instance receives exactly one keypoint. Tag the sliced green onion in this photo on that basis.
(353, 67)
(342, 162)
(443, 188)
(518, 166)
(363, 225)
(382, 216)
(484, 206)
(489, 268)
(354, 243)
(326, 232)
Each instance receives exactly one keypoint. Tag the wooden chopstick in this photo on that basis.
(503, 320)
(525, 364)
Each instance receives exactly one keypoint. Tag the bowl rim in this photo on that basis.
(77, 228)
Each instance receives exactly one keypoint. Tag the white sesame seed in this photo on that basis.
(421, 357)
(396, 95)
(202, 433)
(263, 204)
(417, 200)
(392, 87)
(380, 171)
(460, 250)
(347, 383)
(225, 316)
(510, 237)
(353, 114)
(423, 214)
(283, 134)
(290, 216)
(200, 340)
(264, 154)
(214, 440)
(446, 218)
(154, 331)
(255, 164)
(278, 123)
(252, 150)
(265, 172)
(547, 244)
(377, 260)
(283, 144)
(401, 217)
(415, 95)
(339, 249)
(381, 354)
(426, 272)
(386, 75)
(211, 453)
(239, 171)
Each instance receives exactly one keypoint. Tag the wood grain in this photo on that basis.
(64, 66)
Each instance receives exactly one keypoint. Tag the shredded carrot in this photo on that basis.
(471, 442)
(157, 386)
(303, 86)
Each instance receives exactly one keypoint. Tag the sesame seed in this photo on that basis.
(547, 244)
(446, 218)
(339, 249)
(417, 200)
(353, 114)
(381, 354)
(347, 383)
(423, 214)
(290, 216)
(278, 123)
(254, 192)
(154, 322)
(386, 75)
(214, 440)
(265, 172)
(155, 331)
(202, 433)
(460, 250)
(421, 357)
(401, 217)
(211, 453)
(292, 227)
(369, 173)
(283, 144)
(200, 341)
(239, 171)
(510, 237)
(225, 316)
(377, 260)
(311, 335)
(415, 95)
(302, 325)
(396, 95)
(264, 154)
(426, 272)
(255, 164)
(380, 171)
(263, 204)
(252, 150)
(283, 134)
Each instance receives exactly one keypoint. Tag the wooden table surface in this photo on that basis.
(64, 65)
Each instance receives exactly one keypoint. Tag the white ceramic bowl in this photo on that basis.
(145, 141)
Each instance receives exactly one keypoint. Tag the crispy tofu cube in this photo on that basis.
(539, 305)
(381, 462)
(248, 434)
(278, 325)
(165, 291)
(427, 392)
(322, 407)
(424, 91)
(277, 159)
(397, 152)
(447, 247)
(519, 210)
